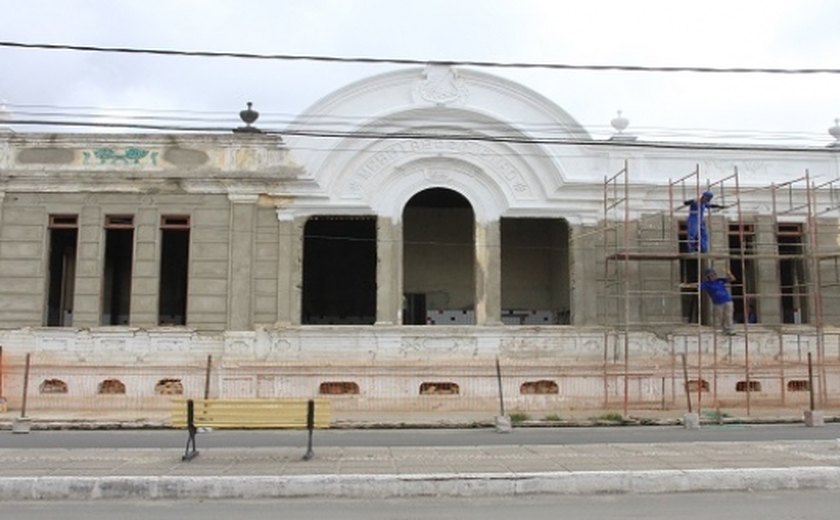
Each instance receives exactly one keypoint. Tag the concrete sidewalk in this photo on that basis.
(82, 474)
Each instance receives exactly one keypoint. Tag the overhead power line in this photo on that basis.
(408, 61)
(394, 136)
(102, 114)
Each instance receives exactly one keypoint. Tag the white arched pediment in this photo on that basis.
(487, 201)
(361, 142)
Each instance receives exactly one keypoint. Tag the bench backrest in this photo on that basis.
(250, 413)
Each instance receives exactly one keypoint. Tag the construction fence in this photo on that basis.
(699, 372)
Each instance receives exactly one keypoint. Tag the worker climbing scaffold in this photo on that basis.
(698, 236)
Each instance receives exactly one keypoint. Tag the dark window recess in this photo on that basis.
(338, 388)
(414, 312)
(339, 271)
(754, 386)
(792, 273)
(111, 386)
(689, 306)
(53, 386)
(116, 284)
(440, 389)
(743, 267)
(693, 385)
(169, 387)
(62, 270)
(543, 386)
(798, 385)
(174, 270)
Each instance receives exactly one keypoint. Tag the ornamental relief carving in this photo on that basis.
(440, 86)
(385, 160)
(129, 156)
(722, 167)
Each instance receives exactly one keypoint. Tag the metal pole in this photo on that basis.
(501, 394)
(25, 386)
(810, 382)
(626, 284)
(207, 376)
(685, 383)
(310, 425)
(663, 393)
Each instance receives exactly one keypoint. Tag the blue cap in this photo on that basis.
(708, 194)
(709, 271)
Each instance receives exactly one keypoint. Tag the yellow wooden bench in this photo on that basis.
(193, 414)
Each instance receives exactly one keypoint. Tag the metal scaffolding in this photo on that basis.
(649, 273)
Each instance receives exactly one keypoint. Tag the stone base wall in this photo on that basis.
(543, 369)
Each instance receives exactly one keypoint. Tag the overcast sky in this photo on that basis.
(713, 33)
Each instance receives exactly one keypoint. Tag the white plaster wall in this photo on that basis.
(364, 172)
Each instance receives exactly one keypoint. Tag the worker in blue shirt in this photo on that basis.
(717, 290)
(698, 237)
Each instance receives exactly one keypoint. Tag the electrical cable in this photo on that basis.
(409, 135)
(408, 61)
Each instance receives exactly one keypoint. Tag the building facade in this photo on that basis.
(397, 239)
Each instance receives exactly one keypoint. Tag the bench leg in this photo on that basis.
(190, 453)
(310, 425)
(309, 453)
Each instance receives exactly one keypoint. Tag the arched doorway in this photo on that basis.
(439, 259)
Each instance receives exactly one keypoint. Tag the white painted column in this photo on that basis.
(389, 272)
(289, 268)
(488, 273)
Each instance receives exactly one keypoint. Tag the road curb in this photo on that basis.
(438, 484)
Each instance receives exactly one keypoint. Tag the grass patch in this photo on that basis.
(716, 415)
(610, 417)
(518, 417)
(552, 417)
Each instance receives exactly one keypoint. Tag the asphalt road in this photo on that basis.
(813, 505)
(109, 439)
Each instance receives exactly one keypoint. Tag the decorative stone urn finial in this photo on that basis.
(248, 116)
(620, 123)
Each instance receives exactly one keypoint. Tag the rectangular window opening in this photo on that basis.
(792, 273)
(174, 270)
(535, 271)
(339, 270)
(61, 280)
(116, 280)
(689, 304)
(743, 267)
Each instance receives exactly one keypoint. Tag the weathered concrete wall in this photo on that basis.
(543, 369)
(266, 258)
(24, 240)
(22, 260)
(586, 269)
